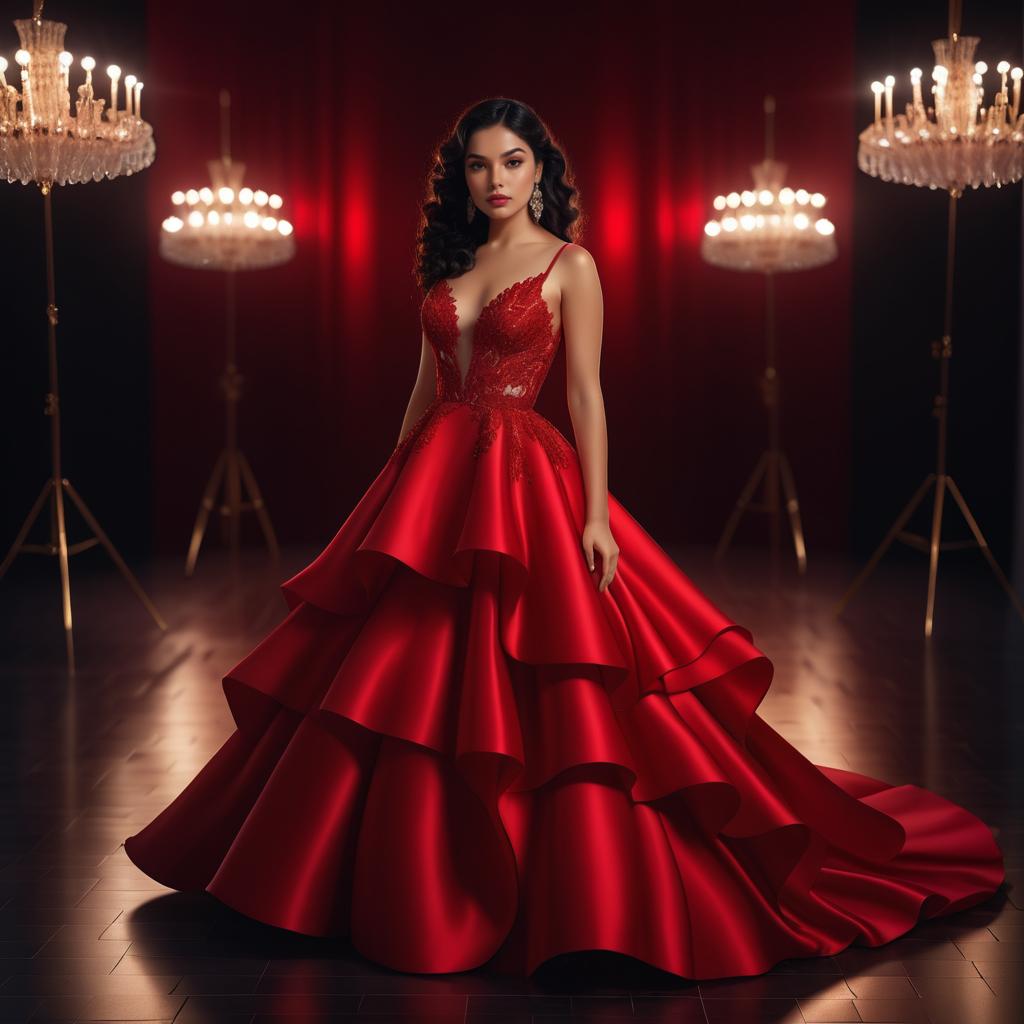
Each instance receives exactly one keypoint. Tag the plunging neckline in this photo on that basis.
(483, 311)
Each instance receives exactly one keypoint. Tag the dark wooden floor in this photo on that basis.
(85, 936)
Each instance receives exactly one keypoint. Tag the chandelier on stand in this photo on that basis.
(229, 227)
(964, 137)
(769, 229)
(44, 141)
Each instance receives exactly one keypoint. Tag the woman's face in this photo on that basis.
(499, 162)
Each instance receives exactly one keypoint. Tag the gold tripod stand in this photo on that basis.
(232, 467)
(55, 487)
(773, 464)
(940, 479)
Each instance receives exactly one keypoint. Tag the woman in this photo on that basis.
(498, 723)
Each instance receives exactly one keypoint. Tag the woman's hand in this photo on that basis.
(598, 537)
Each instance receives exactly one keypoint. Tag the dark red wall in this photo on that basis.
(659, 107)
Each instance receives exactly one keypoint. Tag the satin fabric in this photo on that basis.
(456, 751)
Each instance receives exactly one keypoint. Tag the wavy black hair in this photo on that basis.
(447, 242)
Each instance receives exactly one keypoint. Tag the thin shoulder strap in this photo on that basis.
(553, 258)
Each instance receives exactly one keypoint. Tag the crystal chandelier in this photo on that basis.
(769, 228)
(956, 141)
(41, 140)
(225, 225)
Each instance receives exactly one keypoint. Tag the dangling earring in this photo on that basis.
(470, 209)
(536, 202)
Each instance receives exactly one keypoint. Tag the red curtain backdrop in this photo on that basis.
(339, 107)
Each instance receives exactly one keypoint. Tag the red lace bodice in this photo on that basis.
(512, 348)
(512, 343)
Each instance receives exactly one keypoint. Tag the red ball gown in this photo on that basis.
(455, 750)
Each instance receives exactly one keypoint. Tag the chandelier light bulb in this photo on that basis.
(712, 228)
(226, 195)
(275, 202)
(732, 200)
(65, 59)
(23, 57)
(178, 198)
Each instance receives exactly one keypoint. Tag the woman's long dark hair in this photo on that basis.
(447, 242)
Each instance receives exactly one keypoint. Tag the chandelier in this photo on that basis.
(41, 139)
(769, 228)
(956, 142)
(225, 225)
(962, 138)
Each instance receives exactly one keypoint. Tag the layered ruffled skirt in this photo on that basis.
(454, 748)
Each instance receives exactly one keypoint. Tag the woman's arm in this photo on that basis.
(583, 323)
(423, 391)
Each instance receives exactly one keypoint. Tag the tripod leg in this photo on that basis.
(234, 503)
(112, 551)
(884, 546)
(985, 549)
(933, 551)
(741, 504)
(202, 516)
(259, 505)
(25, 527)
(65, 568)
(793, 507)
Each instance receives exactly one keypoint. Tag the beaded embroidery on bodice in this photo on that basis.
(512, 343)
(512, 348)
